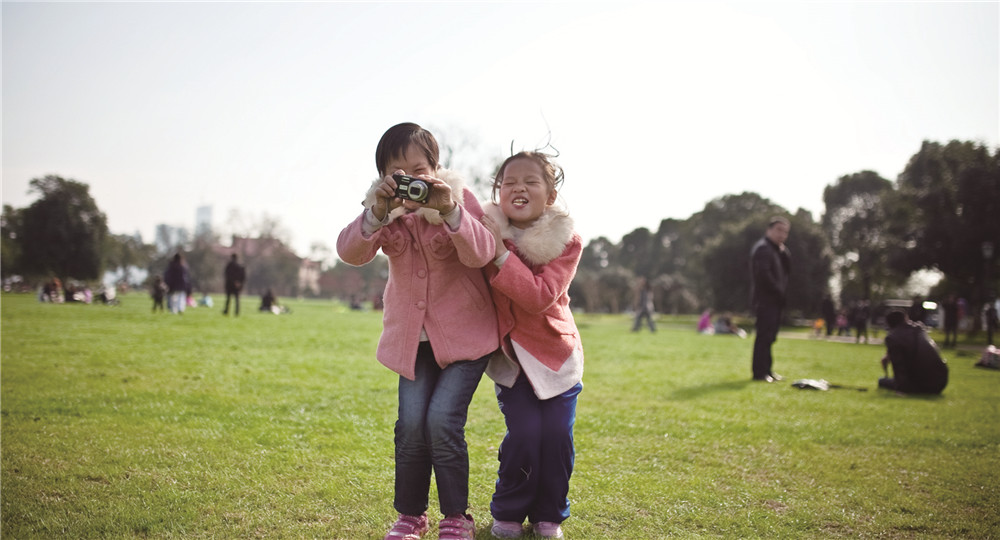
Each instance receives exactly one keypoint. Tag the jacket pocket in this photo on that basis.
(441, 246)
(394, 243)
(475, 293)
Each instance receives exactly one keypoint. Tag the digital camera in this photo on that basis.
(412, 188)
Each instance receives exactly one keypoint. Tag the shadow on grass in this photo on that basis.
(693, 392)
(890, 394)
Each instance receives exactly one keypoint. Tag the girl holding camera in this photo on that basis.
(539, 375)
(439, 326)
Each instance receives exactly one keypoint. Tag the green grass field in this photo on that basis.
(117, 423)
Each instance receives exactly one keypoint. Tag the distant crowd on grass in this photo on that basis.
(53, 291)
(171, 291)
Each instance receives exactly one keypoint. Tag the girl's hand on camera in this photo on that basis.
(440, 198)
(385, 197)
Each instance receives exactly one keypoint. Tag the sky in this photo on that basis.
(273, 110)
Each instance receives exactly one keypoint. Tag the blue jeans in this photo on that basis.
(430, 433)
(536, 455)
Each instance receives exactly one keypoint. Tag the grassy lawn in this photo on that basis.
(119, 423)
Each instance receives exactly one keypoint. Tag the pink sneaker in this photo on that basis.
(506, 529)
(457, 527)
(547, 529)
(408, 528)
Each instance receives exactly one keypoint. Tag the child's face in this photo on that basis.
(414, 163)
(524, 192)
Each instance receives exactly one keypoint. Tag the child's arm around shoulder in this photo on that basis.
(537, 290)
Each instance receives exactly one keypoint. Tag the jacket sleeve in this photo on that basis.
(474, 243)
(536, 292)
(353, 248)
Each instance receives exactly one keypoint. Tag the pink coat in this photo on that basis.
(435, 282)
(531, 293)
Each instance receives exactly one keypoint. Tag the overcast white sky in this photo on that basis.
(656, 108)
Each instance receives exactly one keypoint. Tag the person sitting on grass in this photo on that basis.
(917, 367)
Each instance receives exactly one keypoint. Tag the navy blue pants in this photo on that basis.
(430, 433)
(536, 455)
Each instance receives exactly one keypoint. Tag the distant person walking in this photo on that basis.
(644, 305)
(951, 320)
(829, 314)
(770, 264)
(178, 280)
(862, 312)
(236, 276)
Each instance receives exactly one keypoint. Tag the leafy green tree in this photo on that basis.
(725, 262)
(599, 254)
(636, 252)
(811, 265)
(585, 291)
(673, 293)
(670, 247)
(358, 283)
(945, 208)
(616, 285)
(63, 232)
(273, 266)
(206, 262)
(170, 240)
(855, 225)
(10, 246)
(123, 253)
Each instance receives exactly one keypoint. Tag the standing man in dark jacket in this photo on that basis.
(770, 264)
(917, 367)
(236, 276)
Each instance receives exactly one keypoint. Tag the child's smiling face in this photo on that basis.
(524, 192)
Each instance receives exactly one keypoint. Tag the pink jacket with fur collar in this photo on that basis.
(531, 293)
(435, 281)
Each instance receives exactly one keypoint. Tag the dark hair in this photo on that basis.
(776, 220)
(397, 140)
(551, 173)
(895, 318)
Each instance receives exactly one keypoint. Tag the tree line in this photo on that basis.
(941, 213)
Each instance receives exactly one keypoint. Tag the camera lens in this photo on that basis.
(418, 190)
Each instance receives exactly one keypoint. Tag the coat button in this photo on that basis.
(421, 273)
(421, 305)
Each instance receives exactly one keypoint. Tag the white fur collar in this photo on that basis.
(544, 240)
(452, 178)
